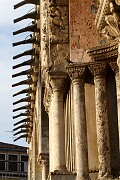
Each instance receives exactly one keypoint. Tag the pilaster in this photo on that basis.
(99, 71)
(76, 73)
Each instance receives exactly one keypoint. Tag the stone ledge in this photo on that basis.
(59, 176)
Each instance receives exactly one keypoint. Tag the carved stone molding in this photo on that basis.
(98, 69)
(114, 67)
(47, 97)
(76, 71)
(104, 52)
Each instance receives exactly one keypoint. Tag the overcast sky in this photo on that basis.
(7, 14)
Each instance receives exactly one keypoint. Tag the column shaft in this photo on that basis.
(58, 130)
(117, 78)
(45, 170)
(80, 129)
(102, 127)
(51, 136)
(59, 144)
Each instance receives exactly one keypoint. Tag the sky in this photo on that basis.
(7, 27)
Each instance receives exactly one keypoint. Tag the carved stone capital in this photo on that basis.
(57, 80)
(114, 67)
(76, 71)
(98, 69)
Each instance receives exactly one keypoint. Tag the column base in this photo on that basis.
(62, 176)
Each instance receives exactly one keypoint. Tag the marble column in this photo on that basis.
(51, 135)
(57, 80)
(76, 75)
(115, 68)
(99, 70)
(44, 162)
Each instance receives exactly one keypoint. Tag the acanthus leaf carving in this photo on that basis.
(98, 69)
(76, 71)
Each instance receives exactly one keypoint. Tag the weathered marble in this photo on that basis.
(76, 75)
(101, 120)
(57, 82)
(115, 68)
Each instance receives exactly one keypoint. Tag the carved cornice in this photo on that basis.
(76, 70)
(98, 69)
(104, 52)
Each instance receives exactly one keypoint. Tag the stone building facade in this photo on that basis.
(72, 113)
(13, 162)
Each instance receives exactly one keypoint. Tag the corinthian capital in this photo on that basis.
(76, 71)
(114, 67)
(98, 69)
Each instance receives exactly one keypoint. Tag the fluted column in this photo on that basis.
(76, 73)
(99, 70)
(57, 80)
(115, 68)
